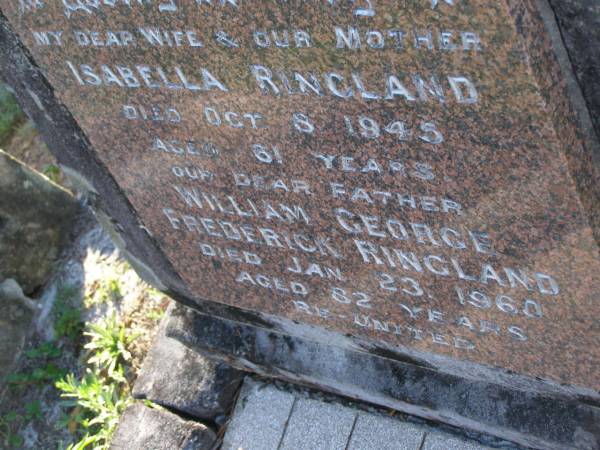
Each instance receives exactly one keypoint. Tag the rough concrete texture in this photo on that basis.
(181, 379)
(267, 418)
(36, 217)
(145, 428)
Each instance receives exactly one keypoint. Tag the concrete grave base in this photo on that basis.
(184, 380)
(145, 428)
(526, 417)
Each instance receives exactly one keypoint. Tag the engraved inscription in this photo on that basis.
(384, 169)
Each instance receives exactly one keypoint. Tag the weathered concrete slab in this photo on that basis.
(409, 173)
(441, 441)
(144, 428)
(181, 379)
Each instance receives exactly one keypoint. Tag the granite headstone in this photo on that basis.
(414, 179)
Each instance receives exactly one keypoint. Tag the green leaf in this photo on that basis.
(67, 321)
(33, 410)
(47, 349)
(12, 416)
(52, 171)
(18, 378)
(83, 443)
(15, 440)
(54, 373)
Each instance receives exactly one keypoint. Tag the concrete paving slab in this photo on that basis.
(259, 418)
(319, 426)
(267, 418)
(374, 432)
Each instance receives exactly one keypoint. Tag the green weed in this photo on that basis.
(33, 410)
(67, 321)
(108, 346)
(98, 399)
(46, 350)
(44, 371)
(38, 376)
(158, 311)
(15, 421)
(97, 404)
(41, 372)
(53, 172)
(7, 424)
(154, 294)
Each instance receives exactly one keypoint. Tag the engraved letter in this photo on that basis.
(457, 84)
(350, 40)
(263, 78)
